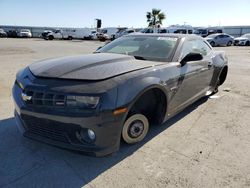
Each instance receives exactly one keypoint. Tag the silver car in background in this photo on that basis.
(220, 39)
(244, 40)
(25, 33)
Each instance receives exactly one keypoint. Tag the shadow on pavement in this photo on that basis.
(27, 163)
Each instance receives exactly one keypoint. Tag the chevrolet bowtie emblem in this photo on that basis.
(26, 97)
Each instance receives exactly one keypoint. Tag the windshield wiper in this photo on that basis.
(139, 57)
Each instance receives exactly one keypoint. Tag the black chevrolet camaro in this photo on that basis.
(91, 102)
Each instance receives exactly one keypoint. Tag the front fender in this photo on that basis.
(131, 90)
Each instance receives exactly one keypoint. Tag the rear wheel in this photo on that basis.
(70, 37)
(135, 128)
(247, 43)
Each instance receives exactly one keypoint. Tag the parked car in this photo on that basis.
(220, 39)
(122, 33)
(25, 33)
(90, 102)
(244, 40)
(171, 29)
(3, 33)
(59, 34)
(204, 32)
(94, 35)
(107, 33)
(45, 33)
(12, 34)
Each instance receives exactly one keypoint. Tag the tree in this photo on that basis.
(155, 17)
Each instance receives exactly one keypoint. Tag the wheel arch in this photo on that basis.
(152, 88)
(223, 74)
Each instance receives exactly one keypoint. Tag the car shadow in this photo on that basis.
(28, 163)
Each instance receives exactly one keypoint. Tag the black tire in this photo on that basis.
(102, 39)
(51, 37)
(135, 128)
(212, 43)
(70, 37)
(216, 89)
(247, 43)
(229, 43)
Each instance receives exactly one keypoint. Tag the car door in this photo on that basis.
(206, 72)
(193, 79)
(58, 34)
(219, 40)
(225, 39)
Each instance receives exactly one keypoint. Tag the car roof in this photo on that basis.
(179, 36)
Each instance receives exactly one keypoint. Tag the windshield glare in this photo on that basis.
(154, 48)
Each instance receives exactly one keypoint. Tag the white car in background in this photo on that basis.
(25, 33)
(244, 40)
(93, 35)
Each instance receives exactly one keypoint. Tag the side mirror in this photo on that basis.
(191, 57)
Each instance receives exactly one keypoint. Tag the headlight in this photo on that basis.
(83, 101)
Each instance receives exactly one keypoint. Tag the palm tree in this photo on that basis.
(155, 17)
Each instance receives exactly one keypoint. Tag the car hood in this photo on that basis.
(207, 38)
(97, 66)
(241, 38)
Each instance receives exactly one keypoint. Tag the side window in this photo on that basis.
(203, 48)
(195, 46)
(187, 48)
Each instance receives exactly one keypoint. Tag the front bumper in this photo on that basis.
(60, 128)
(239, 43)
(25, 35)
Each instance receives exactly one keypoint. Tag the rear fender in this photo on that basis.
(220, 60)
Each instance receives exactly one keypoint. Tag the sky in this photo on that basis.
(129, 13)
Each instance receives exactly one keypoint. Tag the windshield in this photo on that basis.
(25, 30)
(154, 48)
(246, 36)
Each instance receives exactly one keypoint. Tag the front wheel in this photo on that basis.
(247, 43)
(229, 43)
(212, 43)
(51, 37)
(135, 128)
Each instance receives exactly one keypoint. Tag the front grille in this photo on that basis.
(236, 41)
(47, 132)
(45, 99)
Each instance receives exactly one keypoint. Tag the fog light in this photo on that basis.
(91, 134)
